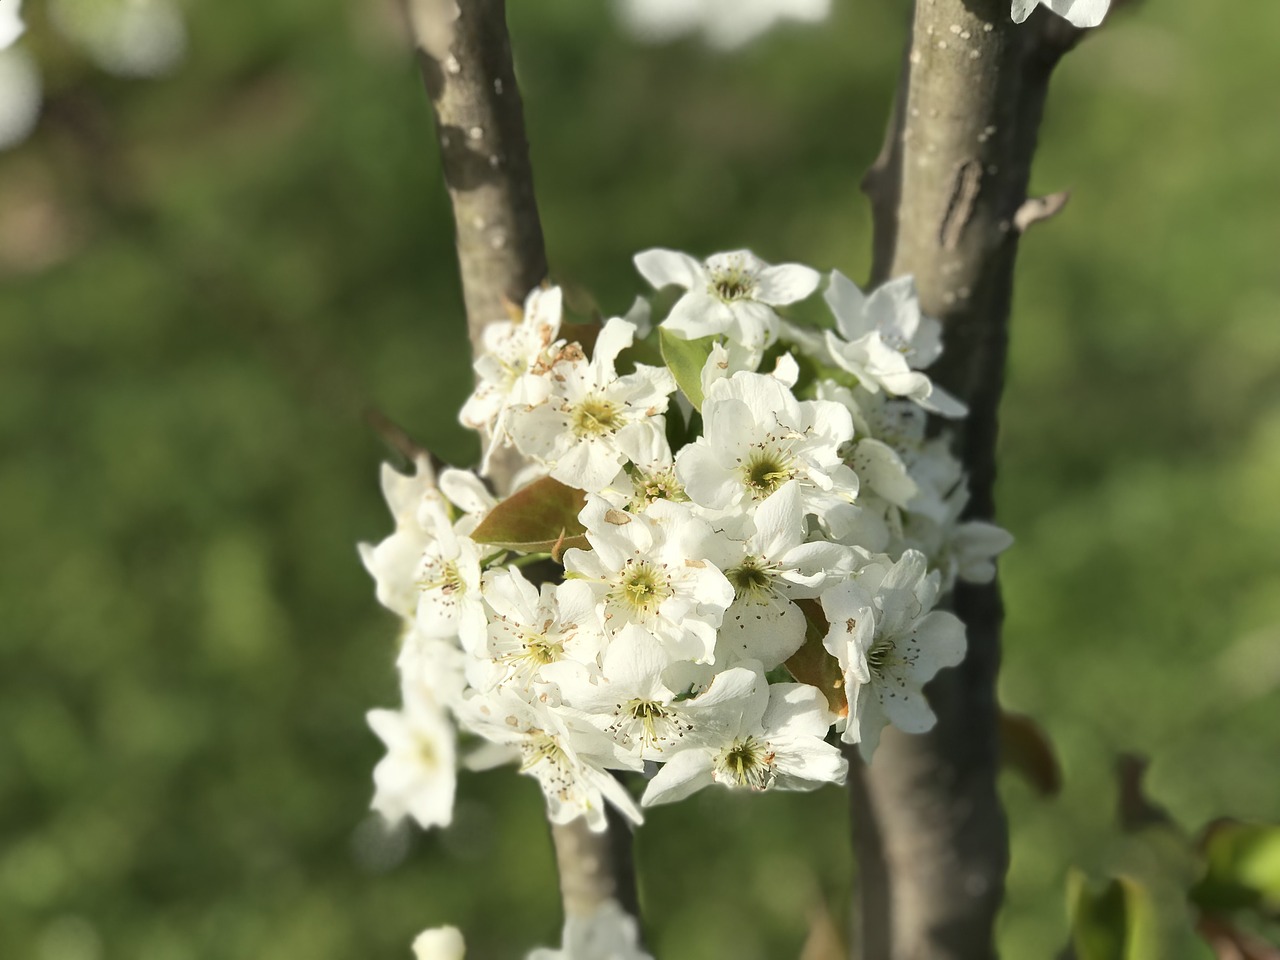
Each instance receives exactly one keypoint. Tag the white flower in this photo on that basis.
(447, 575)
(884, 340)
(726, 24)
(769, 565)
(753, 735)
(649, 569)
(889, 643)
(531, 628)
(20, 95)
(439, 943)
(651, 474)
(959, 550)
(11, 25)
(731, 295)
(393, 561)
(574, 431)
(757, 437)
(607, 933)
(418, 775)
(1082, 13)
(130, 38)
(433, 665)
(504, 371)
(568, 757)
(629, 700)
(880, 468)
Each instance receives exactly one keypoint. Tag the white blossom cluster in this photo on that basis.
(731, 24)
(747, 527)
(128, 38)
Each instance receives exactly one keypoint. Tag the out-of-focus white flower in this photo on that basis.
(20, 94)
(731, 295)
(439, 943)
(11, 25)
(608, 933)
(1082, 13)
(130, 38)
(748, 734)
(726, 24)
(418, 775)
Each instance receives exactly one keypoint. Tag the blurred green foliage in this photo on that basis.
(204, 280)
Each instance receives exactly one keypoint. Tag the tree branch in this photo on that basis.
(465, 55)
(946, 194)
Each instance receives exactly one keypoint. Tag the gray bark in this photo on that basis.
(465, 55)
(949, 202)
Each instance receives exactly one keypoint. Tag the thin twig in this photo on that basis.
(465, 55)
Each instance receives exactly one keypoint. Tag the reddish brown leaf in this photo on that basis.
(539, 518)
(1026, 748)
(813, 665)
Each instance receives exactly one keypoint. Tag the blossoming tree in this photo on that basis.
(722, 542)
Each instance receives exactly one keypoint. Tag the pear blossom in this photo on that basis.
(890, 642)
(574, 430)
(731, 295)
(20, 91)
(758, 436)
(418, 775)
(770, 565)
(439, 943)
(960, 550)
(630, 700)
(11, 25)
(650, 473)
(819, 480)
(512, 352)
(391, 563)
(884, 340)
(428, 569)
(1081, 13)
(568, 757)
(531, 627)
(607, 933)
(649, 570)
(749, 734)
(726, 24)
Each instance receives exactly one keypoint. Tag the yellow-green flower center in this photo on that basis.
(748, 762)
(595, 416)
(765, 471)
(751, 578)
(643, 588)
(733, 284)
(878, 657)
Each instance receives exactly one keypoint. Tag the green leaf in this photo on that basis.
(1243, 862)
(1100, 917)
(1112, 920)
(812, 664)
(685, 359)
(539, 518)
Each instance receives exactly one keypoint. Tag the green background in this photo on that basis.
(204, 280)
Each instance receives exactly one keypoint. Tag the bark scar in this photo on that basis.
(966, 185)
